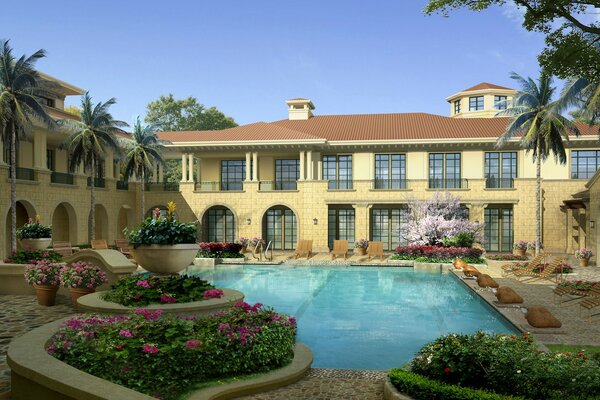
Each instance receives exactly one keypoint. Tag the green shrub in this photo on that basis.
(163, 231)
(461, 239)
(422, 388)
(29, 256)
(34, 230)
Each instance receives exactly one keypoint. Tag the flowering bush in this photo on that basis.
(43, 272)
(520, 245)
(256, 241)
(531, 245)
(511, 365)
(583, 253)
(361, 244)
(438, 254)
(133, 350)
(506, 257)
(141, 290)
(220, 250)
(243, 241)
(29, 256)
(82, 275)
(579, 285)
(34, 230)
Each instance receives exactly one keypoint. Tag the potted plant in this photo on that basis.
(520, 247)
(164, 245)
(361, 246)
(244, 242)
(44, 275)
(583, 255)
(34, 235)
(531, 247)
(81, 278)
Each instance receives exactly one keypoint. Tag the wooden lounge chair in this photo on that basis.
(122, 245)
(63, 248)
(571, 294)
(99, 244)
(375, 249)
(303, 247)
(545, 274)
(510, 268)
(589, 303)
(340, 248)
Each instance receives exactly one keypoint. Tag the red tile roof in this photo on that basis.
(486, 85)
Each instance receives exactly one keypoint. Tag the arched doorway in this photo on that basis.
(64, 223)
(281, 227)
(218, 225)
(124, 220)
(101, 227)
(24, 211)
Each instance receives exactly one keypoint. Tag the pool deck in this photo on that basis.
(20, 314)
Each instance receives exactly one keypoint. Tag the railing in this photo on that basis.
(333, 184)
(61, 177)
(277, 185)
(207, 186)
(162, 187)
(448, 183)
(25, 174)
(122, 185)
(499, 183)
(232, 186)
(390, 184)
(98, 182)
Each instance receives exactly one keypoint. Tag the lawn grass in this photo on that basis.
(572, 348)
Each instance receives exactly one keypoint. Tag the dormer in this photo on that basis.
(300, 109)
(484, 100)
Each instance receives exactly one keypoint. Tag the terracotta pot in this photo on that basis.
(244, 248)
(36, 244)
(78, 292)
(361, 251)
(165, 259)
(584, 262)
(520, 252)
(46, 294)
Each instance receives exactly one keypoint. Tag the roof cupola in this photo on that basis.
(300, 109)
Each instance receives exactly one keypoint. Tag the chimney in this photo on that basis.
(300, 109)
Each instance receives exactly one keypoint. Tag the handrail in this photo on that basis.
(269, 248)
(259, 258)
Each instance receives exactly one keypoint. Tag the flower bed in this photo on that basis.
(29, 256)
(141, 290)
(438, 254)
(220, 250)
(134, 350)
(506, 257)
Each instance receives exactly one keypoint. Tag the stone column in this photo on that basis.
(198, 176)
(2, 160)
(191, 168)
(255, 167)
(184, 167)
(302, 167)
(309, 165)
(109, 168)
(248, 165)
(161, 173)
(39, 150)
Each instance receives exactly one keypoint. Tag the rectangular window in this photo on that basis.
(390, 171)
(340, 225)
(287, 173)
(337, 171)
(233, 174)
(445, 171)
(498, 228)
(45, 101)
(476, 103)
(584, 163)
(457, 107)
(500, 103)
(50, 159)
(500, 169)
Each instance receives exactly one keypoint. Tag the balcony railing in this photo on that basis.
(232, 186)
(499, 183)
(333, 184)
(207, 186)
(162, 187)
(435, 183)
(390, 184)
(61, 177)
(98, 182)
(25, 174)
(122, 185)
(277, 185)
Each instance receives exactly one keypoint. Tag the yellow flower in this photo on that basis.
(170, 210)
(37, 219)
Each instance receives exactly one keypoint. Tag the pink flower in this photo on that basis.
(165, 298)
(125, 333)
(143, 283)
(193, 344)
(148, 348)
(213, 294)
(147, 314)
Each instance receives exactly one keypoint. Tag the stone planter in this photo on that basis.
(584, 262)
(244, 249)
(361, 251)
(165, 259)
(46, 294)
(520, 252)
(36, 244)
(76, 293)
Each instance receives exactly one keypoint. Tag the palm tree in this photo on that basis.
(88, 143)
(541, 128)
(583, 94)
(20, 91)
(142, 153)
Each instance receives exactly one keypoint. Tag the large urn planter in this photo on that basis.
(36, 244)
(165, 259)
(46, 294)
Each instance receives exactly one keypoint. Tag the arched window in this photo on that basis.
(280, 227)
(219, 225)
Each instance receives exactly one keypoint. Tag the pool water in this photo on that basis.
(363, 317)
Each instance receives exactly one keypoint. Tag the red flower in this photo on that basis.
(447, 370)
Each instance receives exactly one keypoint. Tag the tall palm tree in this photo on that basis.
(143, 152)
(541, 128)
(21, 89)
(88, 143)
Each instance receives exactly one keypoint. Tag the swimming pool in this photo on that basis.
(363, 317)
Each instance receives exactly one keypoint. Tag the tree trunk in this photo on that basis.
(93, 204)
(13, 189)
(538, 202)
(143, 183)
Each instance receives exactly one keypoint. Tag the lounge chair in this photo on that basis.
(510, 268)
(122, 245)
(99, 244)
(545, 274)
(570, 292)
(589, 303)
(340, 248)
(303, 247)
(63, 248)
(375, 249)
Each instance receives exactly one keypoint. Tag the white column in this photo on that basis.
(161, 173)
(302, 175)
(319, 167)
(109, 168)
(248, 165)
(191, 167)
(184, 167)
(255, 166)
(310, 169)
(198, 176)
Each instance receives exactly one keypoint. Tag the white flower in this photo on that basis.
(518, 371)
(429, 359)
(573, 379)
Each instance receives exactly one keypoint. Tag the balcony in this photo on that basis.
(25, 174)
(333, 184)
(448, 184)
(389, 184)
(162, 187)
(207, 186)
(122, 185)
(499, 183)
(277, 185)
(61, 177)
(98, 182)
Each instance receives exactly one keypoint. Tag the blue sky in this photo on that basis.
(247, 57)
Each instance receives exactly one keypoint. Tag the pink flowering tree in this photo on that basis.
(442, 216)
